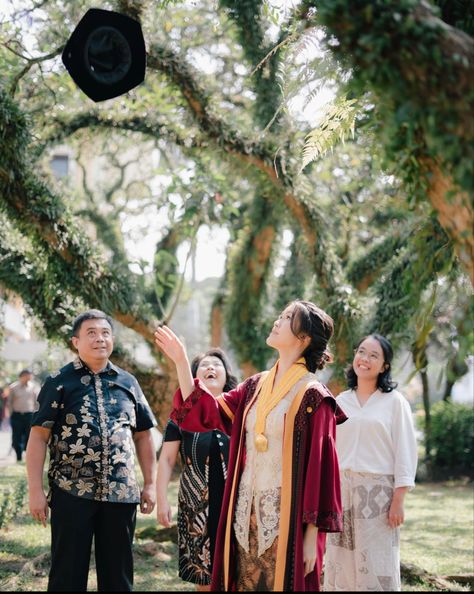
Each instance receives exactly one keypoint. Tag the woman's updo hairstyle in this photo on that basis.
(309, 320)
(384, 379)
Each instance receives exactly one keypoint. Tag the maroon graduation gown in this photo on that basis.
(310, 490)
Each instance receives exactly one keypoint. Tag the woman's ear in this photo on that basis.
(306, 340)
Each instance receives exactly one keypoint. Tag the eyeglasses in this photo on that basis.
(364, 353)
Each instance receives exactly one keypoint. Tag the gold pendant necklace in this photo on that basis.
(261, 442)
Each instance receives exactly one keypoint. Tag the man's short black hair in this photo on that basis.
(90, 314)
(25, 372)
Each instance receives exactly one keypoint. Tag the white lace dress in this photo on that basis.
(261, 479)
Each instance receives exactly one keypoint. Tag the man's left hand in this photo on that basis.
(148, 499)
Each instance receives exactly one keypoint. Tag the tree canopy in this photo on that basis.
(364, 207)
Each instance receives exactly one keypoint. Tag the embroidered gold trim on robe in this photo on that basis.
(286, 491)
(286, 482)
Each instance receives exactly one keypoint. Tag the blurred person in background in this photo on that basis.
(22, 396)
(4, 415)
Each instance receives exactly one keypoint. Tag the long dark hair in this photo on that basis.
(230, 379)
(310, 320)
(384, 379)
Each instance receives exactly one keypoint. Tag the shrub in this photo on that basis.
(12, 502)
(452, 437)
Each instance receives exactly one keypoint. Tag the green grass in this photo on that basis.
(438, 531)
(24, 540)
(437, 536)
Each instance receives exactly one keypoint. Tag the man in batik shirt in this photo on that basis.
(95, 417)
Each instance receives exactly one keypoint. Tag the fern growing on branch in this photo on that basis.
(338, 122)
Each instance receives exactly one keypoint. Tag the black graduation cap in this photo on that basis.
(106, 54)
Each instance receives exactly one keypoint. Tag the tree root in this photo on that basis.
(413, 574)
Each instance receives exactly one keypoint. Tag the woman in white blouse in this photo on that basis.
(377, 453)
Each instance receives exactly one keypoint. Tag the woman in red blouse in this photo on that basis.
(204, 458)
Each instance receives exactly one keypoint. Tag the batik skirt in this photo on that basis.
(364, 557)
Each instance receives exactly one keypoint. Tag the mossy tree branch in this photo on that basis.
(342, 305)
(363, 272)
(250, 31)
(421, 70)
(428, 255)
(28, 276)
(44, 218)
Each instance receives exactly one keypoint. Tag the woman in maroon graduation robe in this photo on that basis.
(283, 490)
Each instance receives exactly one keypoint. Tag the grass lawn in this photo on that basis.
(437, 536)
(25, 545)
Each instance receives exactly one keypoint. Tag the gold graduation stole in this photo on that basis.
(268, 398)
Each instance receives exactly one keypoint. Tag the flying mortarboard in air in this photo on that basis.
(106, 54)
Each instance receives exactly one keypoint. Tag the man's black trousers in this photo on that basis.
(75, 521)
(21, 424)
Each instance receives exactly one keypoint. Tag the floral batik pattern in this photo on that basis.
(92, 417)
(255, 572)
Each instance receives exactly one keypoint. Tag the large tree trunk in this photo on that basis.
(420, 359)
(248, 271)
(337, 385)
(455, 214)
(217, 325)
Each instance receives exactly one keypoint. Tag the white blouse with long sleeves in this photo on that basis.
(378, 437)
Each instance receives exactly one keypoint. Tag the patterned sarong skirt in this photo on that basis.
(366, 556)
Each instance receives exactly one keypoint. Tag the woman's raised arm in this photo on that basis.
(167, 341)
